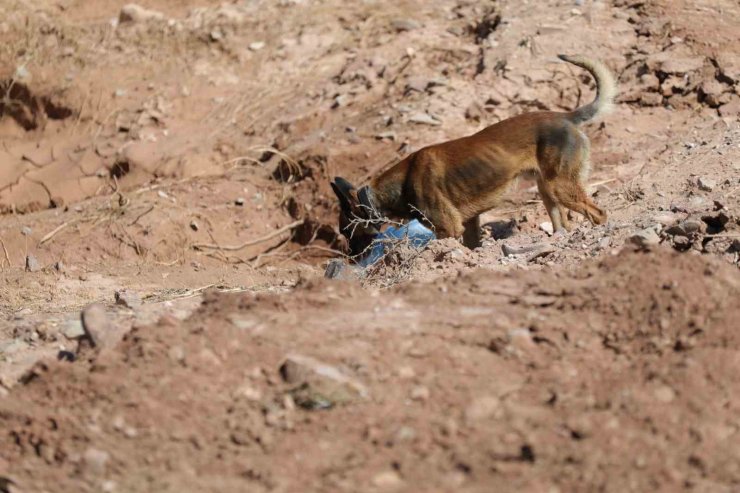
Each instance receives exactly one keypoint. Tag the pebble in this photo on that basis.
(706, 184)
(26, 231)
(419, 393)
(387, 480)
(482, 408)
(321, 378)
(665, 394)
(73, 329)
(257, 45)
(96, 325)
(645, 238)
(95, 460)
(239, 201)
(547, 227)
(424, 119)
(129, 299)
(405, 25)
(604, 243)
(32, 264)
(136, 13)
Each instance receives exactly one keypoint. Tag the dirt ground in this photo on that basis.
(169, 163)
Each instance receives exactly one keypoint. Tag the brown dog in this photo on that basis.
(447, 186)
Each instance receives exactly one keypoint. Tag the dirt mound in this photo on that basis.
(603, 377)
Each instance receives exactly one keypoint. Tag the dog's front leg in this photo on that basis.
(472, 234)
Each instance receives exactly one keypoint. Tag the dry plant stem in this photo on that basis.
(256, 241)
(5, 251)
(51, 234)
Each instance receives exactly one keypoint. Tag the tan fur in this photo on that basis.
(450, 184)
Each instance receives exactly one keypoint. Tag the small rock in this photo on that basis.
(129, 299)
(686, 228)
(645, 238)
(73, 329)
(26, 231)
(680, 66)
(651, 99)
(386, 135)
(482, 408)
(547, 228)
(97, 326)
(136, 13)
(425, 119)
(419, 393)
(730, 109)
(194, 225)
(321, 379)
(474, 112)
(418, 84)
(666, 219)
(95, 461)
(665, 394)
(339, 269)
(32, 264)
(405, 25)
(12, 346)
(706, 184)
(120, 93)
(455, 254)
(510, 250)
(239, 201)
(604, 243)
(59, 266)
(387, 480)
(257, 45)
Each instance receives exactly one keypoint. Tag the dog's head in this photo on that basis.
(359, 220)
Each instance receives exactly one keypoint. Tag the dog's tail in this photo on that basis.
(606, 89)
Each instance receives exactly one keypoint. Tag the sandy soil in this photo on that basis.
(170, 162)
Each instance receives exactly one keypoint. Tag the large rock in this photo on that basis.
(319, 384)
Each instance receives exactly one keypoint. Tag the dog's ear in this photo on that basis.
(342, 189)
(367, 201)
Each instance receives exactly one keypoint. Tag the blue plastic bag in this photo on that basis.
(417, 233)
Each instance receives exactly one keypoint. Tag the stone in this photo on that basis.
(136, 13)
(424, 119)
(387, 480)
(730, 109)
(682, 65)
(482, 408)
(404, 25)
(419, 393)
(651, 99)
(257, 45)
(418, 84)
(321, 379)
(339, 269)
(129, 299)
(645, 238)
(547, 228)
(239, 201)
(665, 394)
(73, 329)
(474, 112)
(729, 64)
(95, 461)
(32, 264)
(706, 184)
(96, 325)
(510, 250)
(686, 228)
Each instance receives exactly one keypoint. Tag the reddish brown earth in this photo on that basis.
(182, 153)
